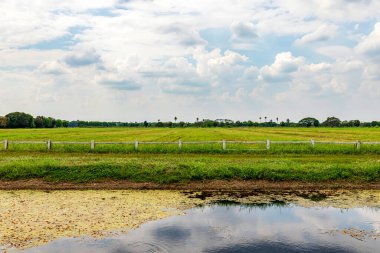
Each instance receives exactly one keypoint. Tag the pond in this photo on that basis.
(240, 224)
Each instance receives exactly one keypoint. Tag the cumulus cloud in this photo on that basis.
(220, 68)
(370, 45)
(81, 59)
(243, 30)
(183, 35)
(118, 81)
(53, 68)
(284, 64)
(338, 10)
(336, 52)
(154, 50)
(183, 78)
(121, 84)
(323, 33)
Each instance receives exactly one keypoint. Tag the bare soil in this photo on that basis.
(222, 185)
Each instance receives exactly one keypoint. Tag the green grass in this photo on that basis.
(198, 148)
(166, 164)
(191, 134)
(196, 134)
(172, 168)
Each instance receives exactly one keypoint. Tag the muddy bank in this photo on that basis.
(225, 185)
(32, 218)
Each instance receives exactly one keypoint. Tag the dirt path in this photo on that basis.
(233, 185)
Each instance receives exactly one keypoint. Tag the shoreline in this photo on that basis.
(208, 185)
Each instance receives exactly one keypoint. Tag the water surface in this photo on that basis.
(232, 227)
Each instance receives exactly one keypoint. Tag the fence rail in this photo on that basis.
(180, 143)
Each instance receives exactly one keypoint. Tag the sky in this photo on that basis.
(129, 60)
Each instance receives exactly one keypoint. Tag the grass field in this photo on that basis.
(196, 134)
(192, 134)
(170, 168)
(165, 164)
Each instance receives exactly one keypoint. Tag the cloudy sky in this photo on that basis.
(148, 60)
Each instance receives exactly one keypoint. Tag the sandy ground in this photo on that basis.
(231, 185)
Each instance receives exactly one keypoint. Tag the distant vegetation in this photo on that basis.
(24, 120)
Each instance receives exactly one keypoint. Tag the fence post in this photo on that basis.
(224, 144)
(180, 145)
(92, 145)
(136, 145)
(6, 145)
(358, 145)
(49, 145)
(268, 144)
(312, 143)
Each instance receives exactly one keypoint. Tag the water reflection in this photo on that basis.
(228, 226)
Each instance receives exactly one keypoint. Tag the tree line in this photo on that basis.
(24, 120)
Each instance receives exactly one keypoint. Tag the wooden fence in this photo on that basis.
(180, 143)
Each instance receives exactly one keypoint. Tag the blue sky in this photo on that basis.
(150, 60)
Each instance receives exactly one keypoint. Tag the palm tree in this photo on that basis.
(260, 119)
(197, 119)
(265, 119)
(175, 118)
(277, 119)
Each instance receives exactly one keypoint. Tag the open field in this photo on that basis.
(165, 164)
(186, 135)
(192, 134)
(176, 168)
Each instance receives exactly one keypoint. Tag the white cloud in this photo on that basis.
(53, 68)
(219, 68)
(284, 64)
(243, 31)
(117, 81)
(18, 58)
(244, 35)
(323, 33)
(147, 52)
(337, 10)
(370, 45)
(336, 52)
(79, 59)
(183, 35)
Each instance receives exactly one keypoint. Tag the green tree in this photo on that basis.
(49, 122)
(59, 123)
(39, 121)
(354, 123)
(308, 122)
(331, 122)
(3, 122)
(20, 120)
